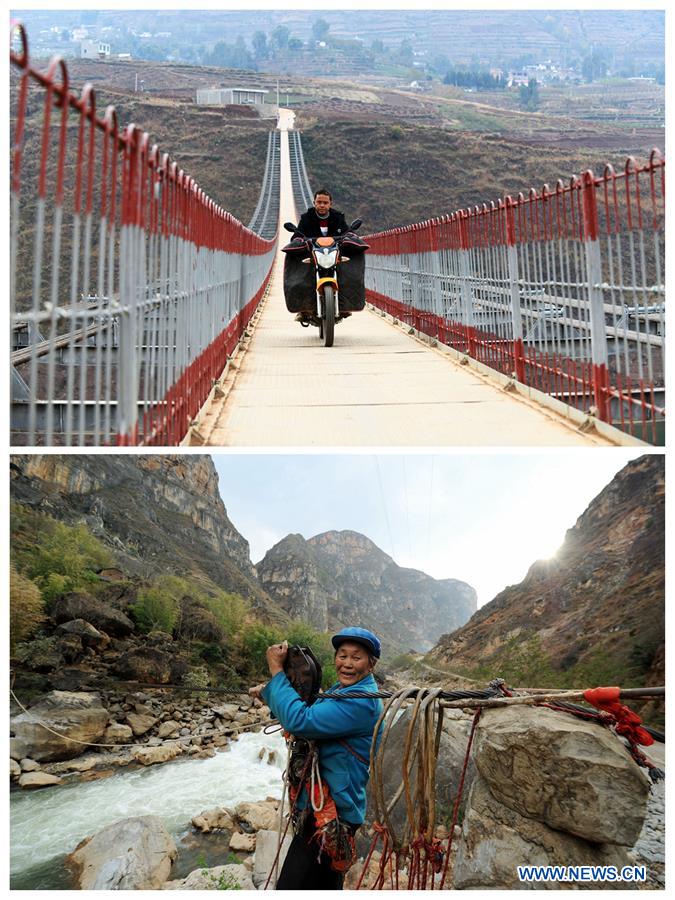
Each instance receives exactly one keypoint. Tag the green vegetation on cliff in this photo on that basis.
(215, 632)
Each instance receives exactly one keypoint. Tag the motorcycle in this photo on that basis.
(325, 254)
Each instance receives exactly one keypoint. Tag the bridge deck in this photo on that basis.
(375, 387)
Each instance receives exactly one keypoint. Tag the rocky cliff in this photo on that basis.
(602, 593)
(341, 578)
(157, 513)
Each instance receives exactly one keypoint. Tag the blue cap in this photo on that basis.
(360, 636)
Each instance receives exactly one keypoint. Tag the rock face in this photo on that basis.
(79, 716)
(341, 578)
(134, 854)
(552, 790)
(603, 592)
(179, 523)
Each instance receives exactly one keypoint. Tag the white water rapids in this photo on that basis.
(49, 823)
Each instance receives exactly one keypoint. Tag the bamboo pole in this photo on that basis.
(495, 702)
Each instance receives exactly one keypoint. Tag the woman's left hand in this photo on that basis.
(276, 657)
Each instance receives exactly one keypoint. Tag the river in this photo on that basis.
(47, 824)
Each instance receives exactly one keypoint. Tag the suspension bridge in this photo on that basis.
(144, 313)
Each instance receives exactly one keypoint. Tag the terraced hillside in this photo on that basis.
(392, 175)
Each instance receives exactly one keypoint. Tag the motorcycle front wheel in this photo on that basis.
(328, 316)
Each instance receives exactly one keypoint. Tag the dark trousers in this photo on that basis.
(305, 868)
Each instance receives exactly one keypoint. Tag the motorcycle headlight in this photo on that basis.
(326, 260)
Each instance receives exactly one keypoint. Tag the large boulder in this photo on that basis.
(134, 854)
(266, 843)
(89, 636)
(496, 840)
(79, 605)
(77, 719)
(220, 878)
(150, 666)
(568, 773)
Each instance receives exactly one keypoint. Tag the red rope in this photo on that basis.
(628, 723)
(455, 811)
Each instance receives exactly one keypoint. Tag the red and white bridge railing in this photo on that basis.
(130, 287)
(561, 289)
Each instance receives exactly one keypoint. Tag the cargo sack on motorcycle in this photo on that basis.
(299, 284)
(351, 282)
(303, 670)
(296, 247)
(353, 244)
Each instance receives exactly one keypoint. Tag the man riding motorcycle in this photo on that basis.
(321, 219)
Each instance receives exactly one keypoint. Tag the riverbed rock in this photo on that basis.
(133, 854)
(80, 605)
(118, 733)
(256, 816)
(231, 877)
(89, 761)
(77, 716)
(38, 780)
(227, 711)
(140, 723)
(496, 839)
(566, 772)
(14, 768)
(213, 820)
(242, 842)
(265, 852)
(29, 765)
(148, 756)
(167, 728)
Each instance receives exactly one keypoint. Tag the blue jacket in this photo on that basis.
(326, 721)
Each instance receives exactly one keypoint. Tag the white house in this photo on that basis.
(225, 96)
(94, 50)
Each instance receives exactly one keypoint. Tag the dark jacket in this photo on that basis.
(310, 226)
(329, 721)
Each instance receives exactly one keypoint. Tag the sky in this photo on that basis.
(480, 517)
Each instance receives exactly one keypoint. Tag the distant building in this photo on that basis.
(124, 55)
(94, 50)
(516, 79)
(79, 34)
(231, 96)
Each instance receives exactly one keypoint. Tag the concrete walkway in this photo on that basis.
(375, 387)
